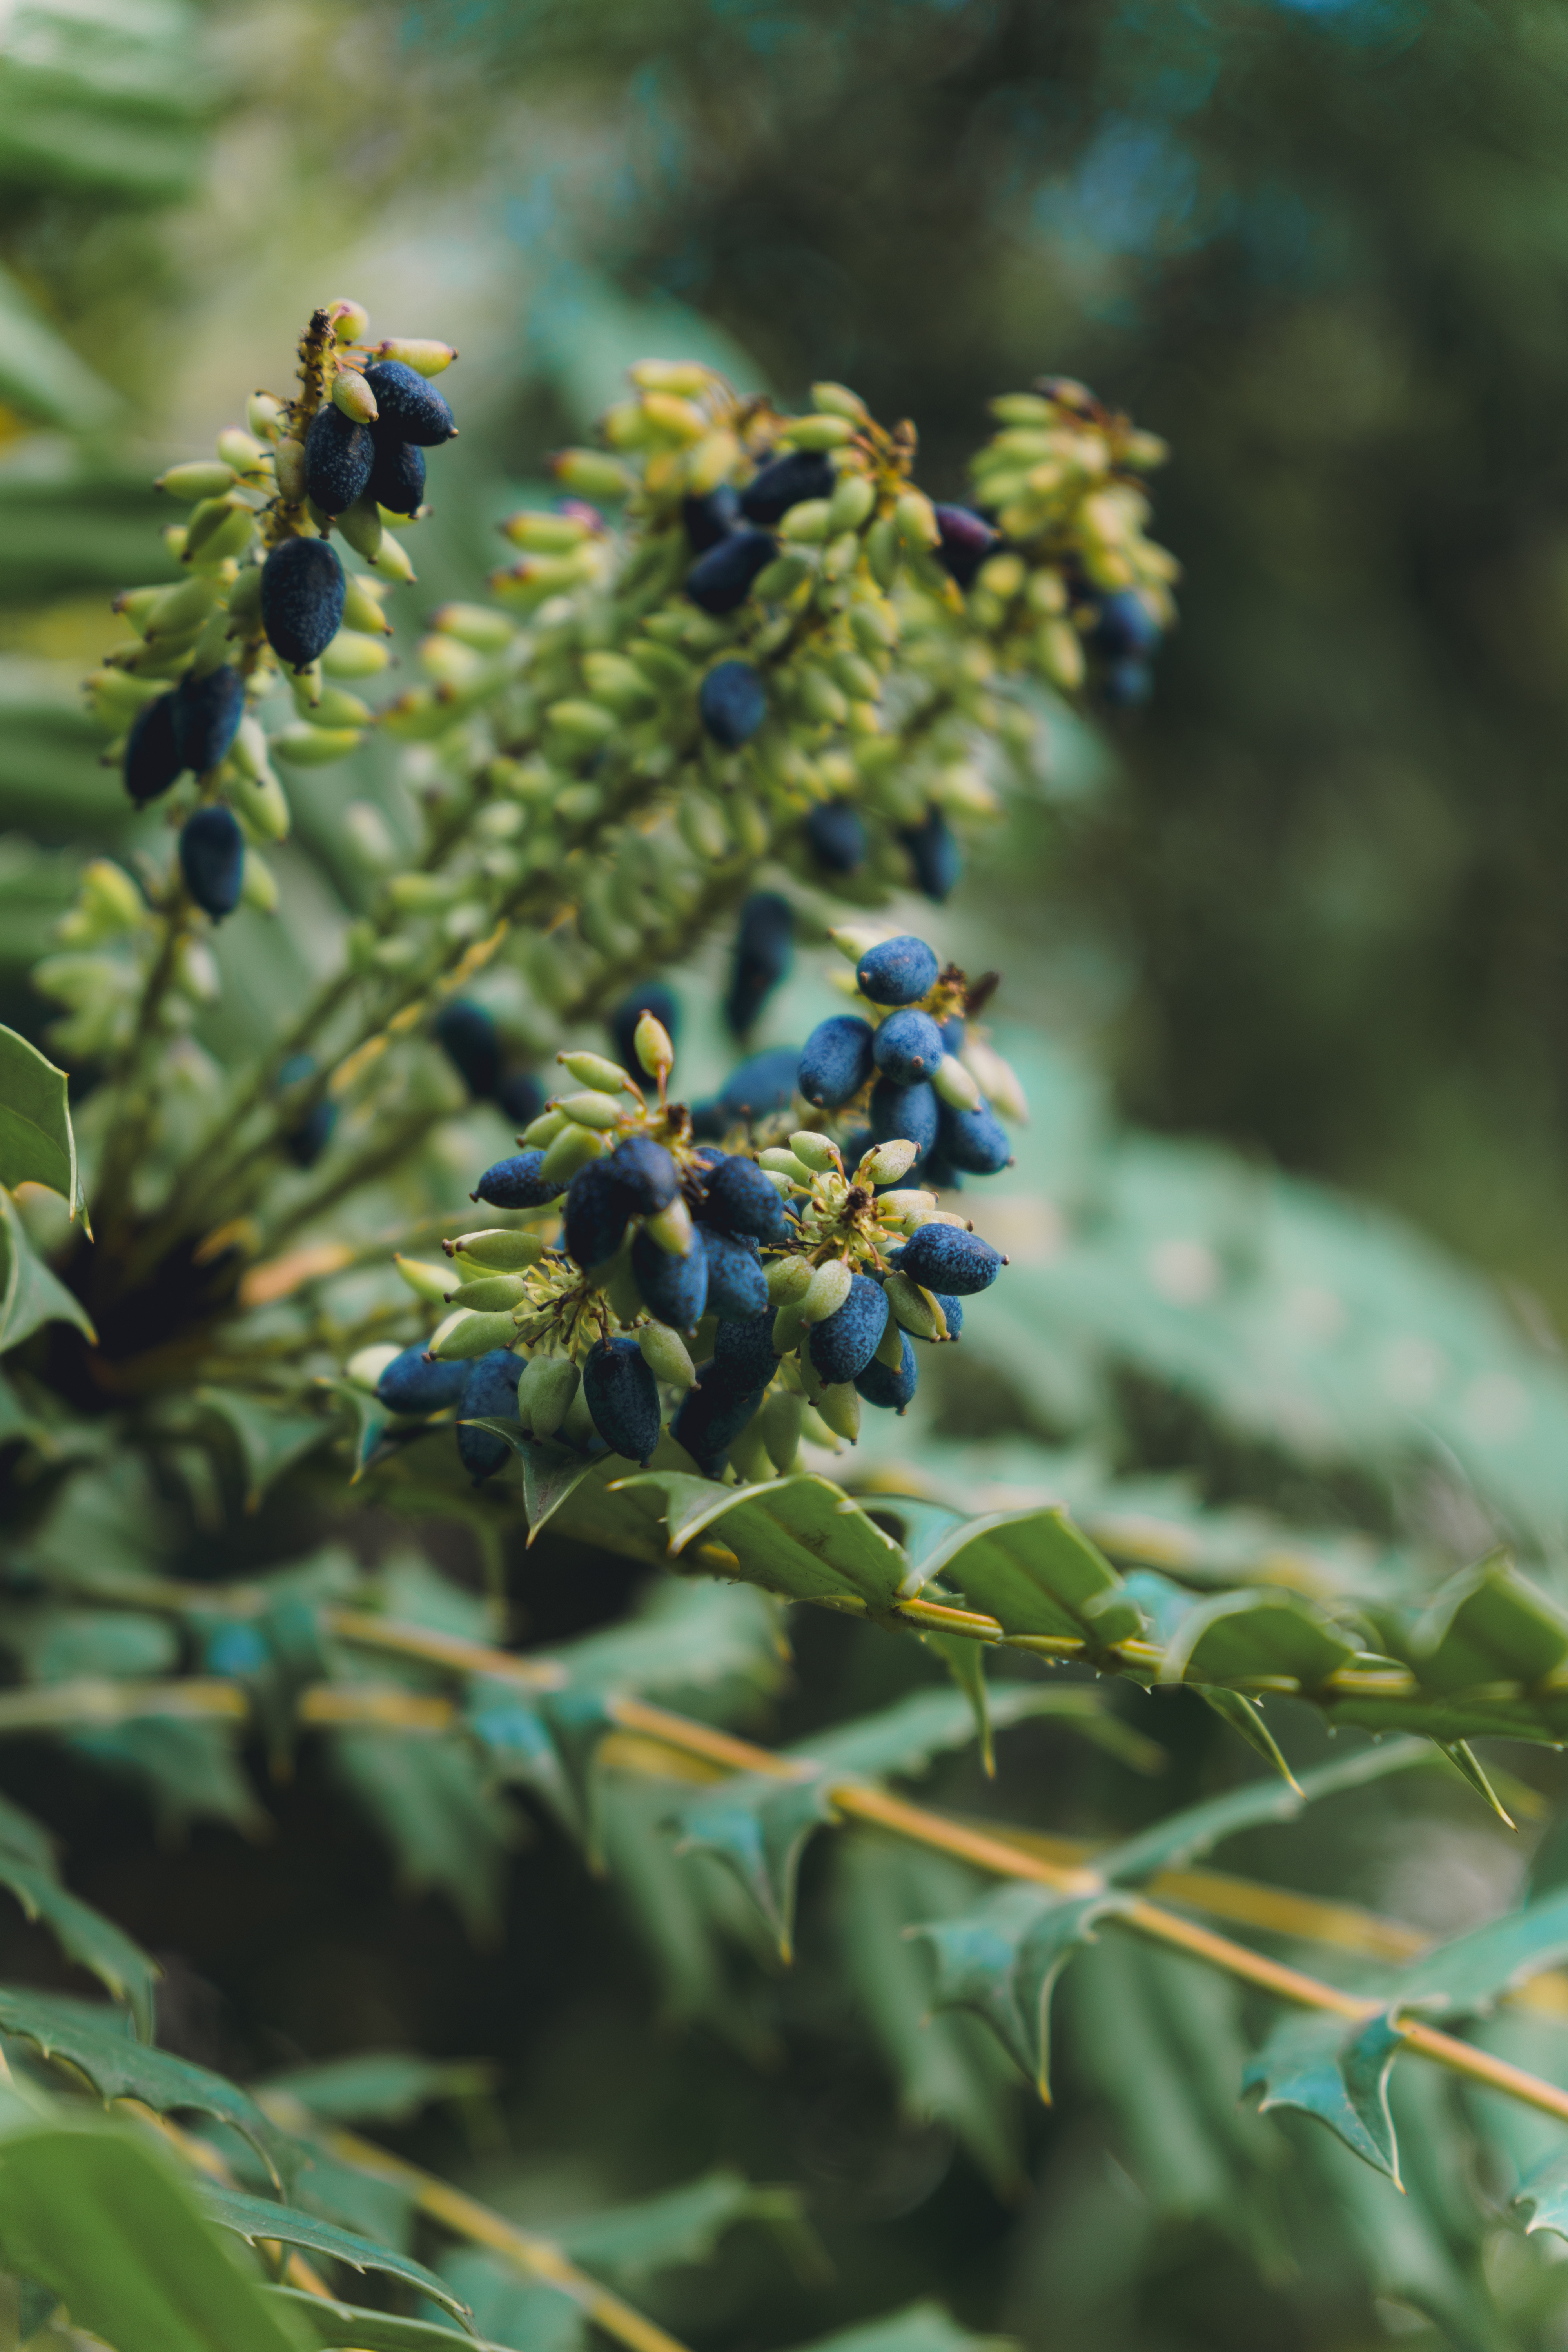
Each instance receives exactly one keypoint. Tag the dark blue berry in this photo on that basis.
(310, 1133)
(712, 1416)
(732, 703)
(597, 1210)
(207, 712)
(737, 1287)
(898, 971)
(1127, 685)
(947, 1258)
(235, 1651)
(407, 407)
(911, 1112)
(646, 1174)
(955, 1033)
(783, 482)
(837, 834)
(1125, 629)
(967, 539)
(765, 1083)
(744, 1353)
(153, 758)
(710, 518)
(397, 476)
(721, 581)
(212, 859)
(843, 1346)
(466, 1033)
(516, 1183)
(338, 458)
(764, 951)
(652, 997)
(520, 1097)
(740, 1198)
(622, 1395)
(490, 1393)
(674, 1289)
(413, 1384)
(938, 1173)
(975, 1139)
(935, 856)
(908, 1048)
(837, 1058)
(303, 592)
(881, 1385)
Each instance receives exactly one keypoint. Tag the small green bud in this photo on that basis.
(913, 1309)
(353, 653)
(475, 626)
(592, 474)
(780, 1424)
(332, 707)
(820, 431)
(264, 416)
(837, 400)
(543, 532)
(851, 503)
(578, 1429)
(822, 698)
(363, 528)
(955, 1084)
(591, 1108)
(243, 453)
(817, 1153)
(366, 1366)
(361, 608)
(661, 665)
(857, 676)
(417, 352)
(391, 558)
(888, 1162)
(353, 395)
(701, 822)
(259, 884)
(136, 605)
(789, 1329)
(828, 1290)
(491, 1293)
(544, 1128)
(108, 904)
(583, 724)
(606, 1077)
(351, 321)
(781, 577)
(670, 1229)
(654, 1047)
(178, 610)
(808, 520)
(497, 1249)
(883, 548)
(839, 1406)
(464, 1334)
(304, 746)
(202, 478)
(780, 1162)
(259, 802)
(748, 1456)
(666, 1356)
(114, 698)
(890, 1347)
(546, 1393)
(789, 1280)
(289, 464)
(896, 1208)
(572, 1148)
(424, 1280)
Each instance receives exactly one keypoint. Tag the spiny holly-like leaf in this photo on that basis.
(257, 2220)
(30, 1295)
(1543, 2194)
(1038, 1573)
(388, 2086)
(919, 2328)
(683, 2225)
(37, 1144)
(271, 1440)
(511, 1729)
(319, 2320)
(96, 2043)
(1244, 1716)
(1488, 1625)
(1340, 2077)
(509, 2308)
(1241, 1636)
(445, 1827)
(800, 1536)
(1468, 1975)
(1468, 1766)
(761, 1827)
(86, 1937)
(1198, 1829)
(1003, 1961)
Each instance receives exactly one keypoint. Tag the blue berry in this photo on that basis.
(837, 834)
(764, 951)
(765, 1083)
(653, 997)
(898, 971)
(740, 1197)
(338, 458)
(397, 476)
(516, 1183)
(938, 1173)
(721, 581)
(597, 1210)
(975, 1139)
(466, 1033)
(784, 482)
(732, 703)
(646, 1173)
(843, 1346)
(935, 856)
(303, 592)
(744, 1353)
(411, 1383)
(838, 1057)
(1127, 685)
(622, 1396)
(1125, 629)
(737, 1287)
(712, 1416)
(967, 539)
(207, 715)
(908, 1048)
(236, 1651)
(674, 1289)
(911, 1112)
(881, 1385)
(152, 750)
(311, 1132)
(408, 407)
(710, 519)
(955, 1033)
(520, 1098)
(490, 1393)
(947, 1258)
(212, 859)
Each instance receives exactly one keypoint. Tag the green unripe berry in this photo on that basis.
(594, 1070)
(828, 1290)
(666, 1355)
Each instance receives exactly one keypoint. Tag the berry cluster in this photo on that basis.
(802, 1277)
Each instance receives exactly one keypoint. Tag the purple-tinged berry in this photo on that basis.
(646, 1173)
(744, 1353)
(520, 1098)
(740, 1198)
(967, 539)
(935, 856)
(912, 1113)
(597, 1211)
(737, 1287)
(710, 519)
(712, 1416)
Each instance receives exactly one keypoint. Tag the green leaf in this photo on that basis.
(1468, 1975)
(30, 1295)
(41, 375)
(94, 2040)
(919, 2328)
(1183, 1836)
(1244, 1716)
(447, 1830)
(37, 1143)
(1038, 1573)
(511, 2309)
(1339, 2077)
(761, 1827)
(680, 2226)
(187, 1769)
(271, 1440)
(1003, 1961)
(801, 1536)
(1543, 2193)
(1488, 1625)
(1242, 1636)
(102, 2220)
(316, 2319)
(386, 2087)
(86, 1937)
(258, 2220)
